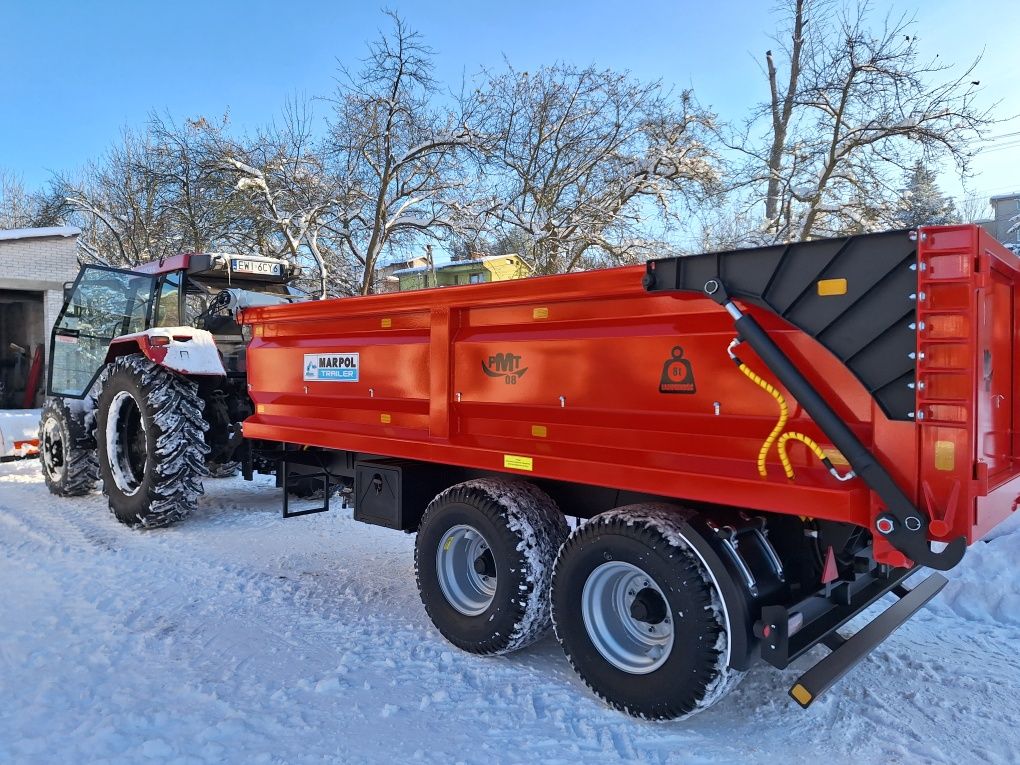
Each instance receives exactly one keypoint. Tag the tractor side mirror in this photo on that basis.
(68, 289)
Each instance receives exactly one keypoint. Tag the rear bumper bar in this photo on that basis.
(779, 647)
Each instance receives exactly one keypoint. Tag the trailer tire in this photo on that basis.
(67, 451)
(663, 658)
(310, 487)
(222, 469)
(519, 528)
(150, 437)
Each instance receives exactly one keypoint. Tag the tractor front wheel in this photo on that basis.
(66, 449)
(150, 438)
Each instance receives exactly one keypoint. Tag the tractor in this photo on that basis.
(147, 382)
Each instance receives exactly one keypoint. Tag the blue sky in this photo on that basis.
(76, 71)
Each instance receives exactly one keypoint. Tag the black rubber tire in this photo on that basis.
(648, 536)
(170, 408)
(309, 488)
(69, 468)
(524, 529)
(222, 469)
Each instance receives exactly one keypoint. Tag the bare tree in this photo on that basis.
(281, 181)
(852, 106)
(393, 154)
(583, 158)
(18, 207)
(193, 191)
(116, 203)
(155, 194)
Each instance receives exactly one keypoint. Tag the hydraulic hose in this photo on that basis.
(777, 436)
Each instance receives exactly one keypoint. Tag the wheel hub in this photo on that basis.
(53, 447)
(648, 607)
(627, 617)
(485, 564)
(466, 570)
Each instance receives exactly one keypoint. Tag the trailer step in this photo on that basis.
(847, 653)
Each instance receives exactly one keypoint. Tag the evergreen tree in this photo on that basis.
(921, 203)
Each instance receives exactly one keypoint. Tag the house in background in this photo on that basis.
(1005, 216)
(386, 276)
(34, 265)
(477, 270)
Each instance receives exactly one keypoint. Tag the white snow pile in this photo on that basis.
(235, 636)
(16, 427)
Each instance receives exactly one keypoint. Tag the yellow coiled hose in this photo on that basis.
(777, 436)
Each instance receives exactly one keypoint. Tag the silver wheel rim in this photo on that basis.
(466, 589)
(53, 448)
(126, 475)
(628, 643)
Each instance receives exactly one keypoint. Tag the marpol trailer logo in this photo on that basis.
(332, 367)
(505, 365)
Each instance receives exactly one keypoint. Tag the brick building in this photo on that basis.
(34, 265)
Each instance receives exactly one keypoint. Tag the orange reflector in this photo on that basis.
(539, 431)
(945, 455)
(386, 323)
(827, 287)
(385, 419)
(540, 313)
(801, 693)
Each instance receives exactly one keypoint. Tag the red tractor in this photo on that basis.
(161, 339)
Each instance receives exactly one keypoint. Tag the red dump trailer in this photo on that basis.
(761, 444)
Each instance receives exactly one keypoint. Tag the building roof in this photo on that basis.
(1003, 197)
(38, 233)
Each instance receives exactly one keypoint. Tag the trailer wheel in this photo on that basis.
(310, 487)
(483, 561)
(67, 450)
(222, 469)
(639, 615)
(150, 434)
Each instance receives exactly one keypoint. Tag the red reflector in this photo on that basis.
(159, 340)
(830, 572)
(766, 630)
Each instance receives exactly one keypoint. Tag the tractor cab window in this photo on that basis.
(168, 307)
(103, 304)
(197, 298)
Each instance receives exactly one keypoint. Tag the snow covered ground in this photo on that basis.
(238, 637)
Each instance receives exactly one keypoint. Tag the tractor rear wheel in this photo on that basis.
(150, 438)
(639, 614)
(67, 450)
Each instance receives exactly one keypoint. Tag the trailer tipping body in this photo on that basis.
(620, 378)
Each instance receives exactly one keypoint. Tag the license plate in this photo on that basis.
(255, 267)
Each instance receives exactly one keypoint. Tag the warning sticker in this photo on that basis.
(332, 367)
(517, 462)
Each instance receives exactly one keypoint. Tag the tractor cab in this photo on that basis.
(198, 290)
